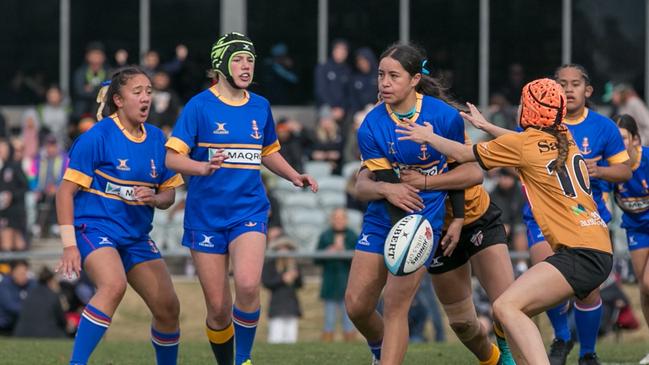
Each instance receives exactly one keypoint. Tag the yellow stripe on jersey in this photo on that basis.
(177, 145)
(124, 182)
(272, 148)
(77, 177)
(377, 164)
(621, 157)
(240, 166)
(229, 145)
(114, 197)
(173, 182)
(230, 102)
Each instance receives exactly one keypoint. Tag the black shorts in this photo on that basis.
(487, 231)
(584, 269)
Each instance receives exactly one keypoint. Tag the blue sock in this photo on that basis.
(559, 319)
(245, 327)
(587, 320)
(375, 348)
(166, 346)
(92, 327)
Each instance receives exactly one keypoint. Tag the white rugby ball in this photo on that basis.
(408, 245)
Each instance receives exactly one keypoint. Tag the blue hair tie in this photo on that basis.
(105, 83)
(424, 70)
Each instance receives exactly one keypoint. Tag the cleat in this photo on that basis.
(645, 360)
(559, 351)
(589, 359)
(506, 357)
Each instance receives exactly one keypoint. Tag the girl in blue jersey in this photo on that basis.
(221, 139)
(115, 179)
(607, 161)
(405, 92)
(633, 197)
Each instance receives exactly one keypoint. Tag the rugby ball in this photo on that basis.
(408, 245)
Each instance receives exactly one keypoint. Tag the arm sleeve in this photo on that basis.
(169, 179)
(614, 151)
(271, 144)
(183, 136)
(85, 156)
(504, 151)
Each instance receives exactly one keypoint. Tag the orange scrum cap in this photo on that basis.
(543, 104)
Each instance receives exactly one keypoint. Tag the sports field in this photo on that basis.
(126, 341)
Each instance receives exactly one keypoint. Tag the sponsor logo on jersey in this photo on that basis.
(104, 241)
(547, 146)
(122, 166)
(207, 241)
(239, 155)
(436, 262)
(578, 209)
(220, 129)
(124, 192)
(364, 240)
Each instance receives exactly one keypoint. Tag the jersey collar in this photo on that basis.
(394, 118)
(246, 98)
(128, 135)
(577, 120)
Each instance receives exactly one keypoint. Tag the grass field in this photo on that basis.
(20, 352)
(126, 341)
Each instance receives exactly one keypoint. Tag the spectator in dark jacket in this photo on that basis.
(13, 213)
(337, 238)
(88, 78)
(332, 79)
(364, 82)
(42, 314)
(165, 104)
(282, 277)
(279, 77)
(13, 291)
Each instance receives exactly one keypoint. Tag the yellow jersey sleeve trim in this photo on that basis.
(271, 148)
(177, 145)
(77, 177)
(618, 158)
(377, 164)
(172, 183)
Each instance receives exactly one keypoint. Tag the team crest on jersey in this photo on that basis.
(621, 188)
(122, 165)
(220, 129)
(477, 238)
(424, 152)
(255, 130)
(154, 172)
(585, 147)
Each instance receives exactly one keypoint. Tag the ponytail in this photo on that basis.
(560, 133)
(109, 88)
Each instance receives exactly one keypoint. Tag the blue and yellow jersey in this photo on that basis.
(381, 149)
(633, 196)
(246, 131)
(107, 162)
(597, 137)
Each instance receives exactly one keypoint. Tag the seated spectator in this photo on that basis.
(165, 104)
(54, 116)
(49, 167)
(328, 142)
(13, 214)
(88, 78)
(282, 277)
(337, 238)
(289, 134)
(13, 291)
(41, 315)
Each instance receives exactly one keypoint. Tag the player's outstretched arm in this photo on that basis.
(276, 163)
(424, 134)
(461, 177)
(479, 121)
(70, 262)
(181, 163)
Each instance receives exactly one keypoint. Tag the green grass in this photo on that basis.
(51, 352)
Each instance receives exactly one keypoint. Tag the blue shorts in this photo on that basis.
(132, 252)
(218, 241)
(372, 239)
(637, 240)
(534, 234)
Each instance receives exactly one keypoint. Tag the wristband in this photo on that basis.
(68, 237)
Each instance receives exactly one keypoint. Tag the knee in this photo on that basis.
(248, 290)
(167, 311)
(356, 307)
(463, 319)
(114, 290)
(501, 308)
(644, 287)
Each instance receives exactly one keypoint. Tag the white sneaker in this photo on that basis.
(645, 360)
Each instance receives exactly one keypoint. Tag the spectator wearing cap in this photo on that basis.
(41, 315)
(88, 78)
(13, 291)
(628, 102)
(332, 79)
(49, 167)
(281, 275)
